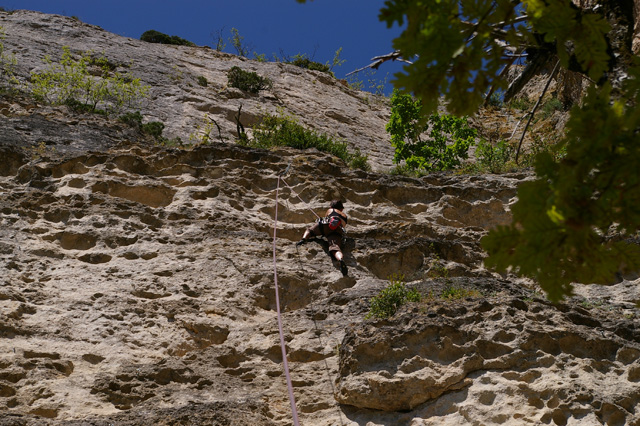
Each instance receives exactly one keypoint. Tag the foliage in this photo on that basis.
(282, 130)
(337, 61)
(41, 150)
(452, 292)
(152, 128)
(493, 158)
(133, 119)
(449, 137)
(563, 220)
(549, 107)
(496, 100)
(391, 298)
(260, 57)
(543, 143)
(303, 61)
(522, 103)
(458, 47)
(72, 83)
(202, 134)
(218, 40)
(153, 36)
(247, 81)
(8, 62)
(202, 81)
(372, 84)
(237, 41)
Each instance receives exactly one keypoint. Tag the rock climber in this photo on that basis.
(332, 228)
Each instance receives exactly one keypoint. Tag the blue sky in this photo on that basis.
(317, 28)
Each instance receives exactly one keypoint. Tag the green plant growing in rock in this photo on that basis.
(40, 150)
(202, 134)
(447, 145)
(522, 103)
(218, 40)
(452, 292)
(8, 63)
(177, 75)
(284, 130)
(391, 298)
(238, 43)
(303, 61)
(247, 81)
(436, 268)
(543, 143)
(549, 107)
(202, 81)
(72, 83)
(153, 36)
(151, 128)
(494, 158)
(375, 85)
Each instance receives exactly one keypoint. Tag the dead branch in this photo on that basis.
(379, 60)
(219, 129)
(239, 127)
(553, 73)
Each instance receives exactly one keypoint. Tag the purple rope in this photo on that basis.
(294, 193)
(292, 399)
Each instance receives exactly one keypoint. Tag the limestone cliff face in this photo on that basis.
(176, 98)
(136, 282)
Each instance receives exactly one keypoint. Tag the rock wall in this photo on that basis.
(176, 99)
(136, 282)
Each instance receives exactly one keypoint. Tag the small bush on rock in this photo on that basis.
(448, 142)
(247, 81)
(282, 130)
(72, 83)
(389, 300)
(153, 128)
(153, 36)
(303, 61)
(452, 292)
(494, 158)
(8, 63)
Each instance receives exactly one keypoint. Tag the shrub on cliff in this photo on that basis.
(153, 36)
(391, 298)
(303, 61)
(448, 142)
(283, 130)
(247, 81)
(7, 63)
(71, 83)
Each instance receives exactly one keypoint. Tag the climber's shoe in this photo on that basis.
(343, 268)
(301, 242)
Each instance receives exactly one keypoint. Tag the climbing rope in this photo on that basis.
(294, 193)
(292, 400)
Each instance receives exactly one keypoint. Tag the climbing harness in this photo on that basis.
(292, 400)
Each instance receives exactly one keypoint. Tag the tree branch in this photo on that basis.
(555, 68)
(379, 60)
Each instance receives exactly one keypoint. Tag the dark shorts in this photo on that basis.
(333, 236)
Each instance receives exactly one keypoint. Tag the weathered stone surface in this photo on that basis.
(136, 282)
(496, 352)
(176, 98)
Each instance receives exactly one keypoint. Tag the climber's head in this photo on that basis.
(337, 204)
